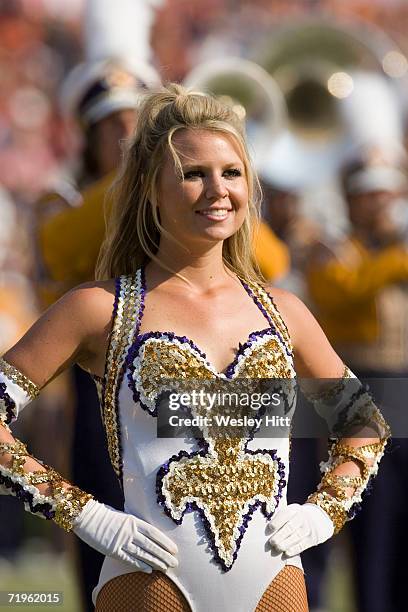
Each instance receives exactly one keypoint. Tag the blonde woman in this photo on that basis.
(186, 300)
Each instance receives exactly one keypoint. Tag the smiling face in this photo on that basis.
(209, 201)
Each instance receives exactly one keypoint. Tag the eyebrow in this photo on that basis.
(206, 164)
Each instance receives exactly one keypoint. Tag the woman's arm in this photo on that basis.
(69, 332)
(314, 356)
(75, 329)
(361, 432)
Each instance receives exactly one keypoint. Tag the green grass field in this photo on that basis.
(40, 572)
(45, 571)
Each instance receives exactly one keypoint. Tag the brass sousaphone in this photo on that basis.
(252, 93)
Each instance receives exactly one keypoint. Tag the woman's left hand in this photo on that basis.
(298, 527)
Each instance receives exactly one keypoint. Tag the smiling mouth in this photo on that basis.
(219, 213)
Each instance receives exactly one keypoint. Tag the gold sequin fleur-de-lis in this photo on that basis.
(226, 483)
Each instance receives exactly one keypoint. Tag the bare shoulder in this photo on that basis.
(84, 311)
(73, 330)
(292, 309)
(282, 297)
(90, 303)
(314, 355)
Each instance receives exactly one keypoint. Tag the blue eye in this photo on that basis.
(192, 174)
(232, 172)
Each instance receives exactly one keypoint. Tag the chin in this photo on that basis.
(208, 239)
(218, 234)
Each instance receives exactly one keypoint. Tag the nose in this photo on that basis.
(216, 188)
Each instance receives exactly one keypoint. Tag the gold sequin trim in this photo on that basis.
(67, 502)
(18, 451)
(329, 391)
(19, 378)
(382, 427)
(223, 483)
(338, 501)
(164, 359)
(123, 329)
(331, 506)
(267, 360)
(70, 503)
(360, 454)
(269, 305)
(227, 480)
(337, 494)
(161, 358)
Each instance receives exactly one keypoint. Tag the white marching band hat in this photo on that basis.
(377, 178)
(117, 68)
(93, 90)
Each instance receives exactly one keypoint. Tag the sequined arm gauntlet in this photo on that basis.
(66, 501)
(348, 409)
(16, 391)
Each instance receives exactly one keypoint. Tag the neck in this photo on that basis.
(203, 269)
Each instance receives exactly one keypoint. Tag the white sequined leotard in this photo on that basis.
(211, 498)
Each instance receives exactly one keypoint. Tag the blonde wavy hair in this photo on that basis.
(133, 224)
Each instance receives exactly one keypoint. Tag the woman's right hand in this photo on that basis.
(125, 537)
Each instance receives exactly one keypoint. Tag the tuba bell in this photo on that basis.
(252, 93)
(316, 64)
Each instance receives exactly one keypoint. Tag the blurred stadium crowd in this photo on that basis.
(335, 228)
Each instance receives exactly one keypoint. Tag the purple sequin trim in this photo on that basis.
(340, 426)
(142, 338)
(133, 353)
(252, 338)
(10, 404)
(27, 497)
(355, 508)
(288, 351)
(192, 506)
(258, 303)
(122, 370)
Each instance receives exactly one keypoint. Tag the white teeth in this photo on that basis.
(217, 212)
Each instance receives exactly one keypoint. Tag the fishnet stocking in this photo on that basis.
(286, 593)
(139, 592)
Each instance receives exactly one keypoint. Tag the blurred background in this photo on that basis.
(323, 86)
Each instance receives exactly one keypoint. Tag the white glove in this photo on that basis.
(125, 537)
(296, 528)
